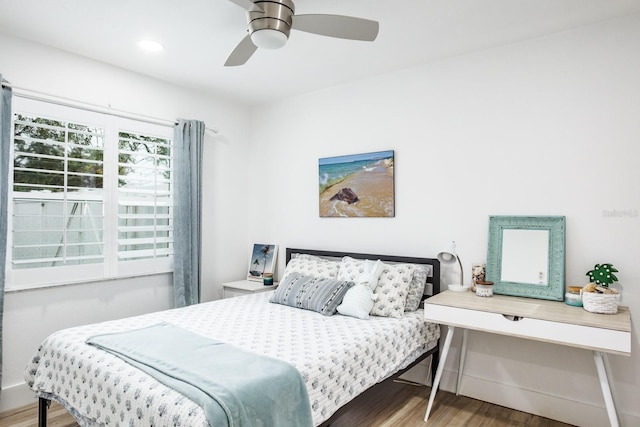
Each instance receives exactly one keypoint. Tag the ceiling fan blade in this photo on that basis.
(248, 5)
(342, 27)
(241, 53)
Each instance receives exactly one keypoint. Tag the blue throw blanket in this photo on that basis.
(236, 388)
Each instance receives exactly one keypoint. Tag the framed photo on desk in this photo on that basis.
(262, 260)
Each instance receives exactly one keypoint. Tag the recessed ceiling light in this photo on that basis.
(150, 45)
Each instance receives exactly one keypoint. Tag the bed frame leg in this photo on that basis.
(43, 405)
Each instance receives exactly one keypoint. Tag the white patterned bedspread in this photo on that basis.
(339, 357)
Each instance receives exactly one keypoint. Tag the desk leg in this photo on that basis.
(463, 355)
(607, 370)
(441, 363)
(601, 359)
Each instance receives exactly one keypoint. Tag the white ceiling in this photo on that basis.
(198, 35)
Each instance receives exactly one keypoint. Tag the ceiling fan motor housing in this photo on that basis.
(277, 16)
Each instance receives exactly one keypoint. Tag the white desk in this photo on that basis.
(541, 320)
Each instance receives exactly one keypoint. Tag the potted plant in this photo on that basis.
(597, 297)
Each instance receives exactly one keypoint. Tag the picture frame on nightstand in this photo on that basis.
(262, 260)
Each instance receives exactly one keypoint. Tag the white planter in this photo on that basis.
(600, 303)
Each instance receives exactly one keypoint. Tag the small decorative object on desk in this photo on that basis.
(596, 296)
(267, 279)
(573, 297)
(478, 273)
(484, 289)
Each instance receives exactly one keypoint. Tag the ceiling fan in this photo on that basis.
(271, 21)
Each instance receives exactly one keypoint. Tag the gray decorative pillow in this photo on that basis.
(311, 293)
(310, 265)
(416, 287)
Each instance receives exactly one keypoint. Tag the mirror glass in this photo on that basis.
(526, 256)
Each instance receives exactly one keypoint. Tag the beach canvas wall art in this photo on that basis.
(262, 260)
(358, 185)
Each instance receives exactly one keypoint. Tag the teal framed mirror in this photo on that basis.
(526, 256)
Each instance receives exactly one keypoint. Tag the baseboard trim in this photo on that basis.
(545, 405)
(16, 396)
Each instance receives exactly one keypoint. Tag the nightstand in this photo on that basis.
(244, 287)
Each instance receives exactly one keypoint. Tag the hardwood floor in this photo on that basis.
(397, 404)
(391, 405)
(28, 417)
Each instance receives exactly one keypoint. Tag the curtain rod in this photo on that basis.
(68, 102)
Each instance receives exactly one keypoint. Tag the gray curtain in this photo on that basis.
(188, 139)
(5, 146)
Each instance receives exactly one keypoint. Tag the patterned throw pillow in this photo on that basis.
(311, 293)
(392, 290)
(310, 265)
(350, 268)
(416, 288)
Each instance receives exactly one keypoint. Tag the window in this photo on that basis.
(144, 203)
(92, 196)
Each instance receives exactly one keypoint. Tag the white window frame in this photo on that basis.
(112, 268)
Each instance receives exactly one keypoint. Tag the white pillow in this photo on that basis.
(371, 271)
(358, 301)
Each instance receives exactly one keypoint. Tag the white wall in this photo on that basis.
(546, 127)
(30, 316)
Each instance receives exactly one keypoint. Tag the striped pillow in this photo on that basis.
(311, 293)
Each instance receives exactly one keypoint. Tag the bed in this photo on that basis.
(338, 356)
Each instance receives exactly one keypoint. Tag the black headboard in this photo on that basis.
(434, 279)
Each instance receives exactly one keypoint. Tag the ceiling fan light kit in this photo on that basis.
(269, 23)
(270, 28)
